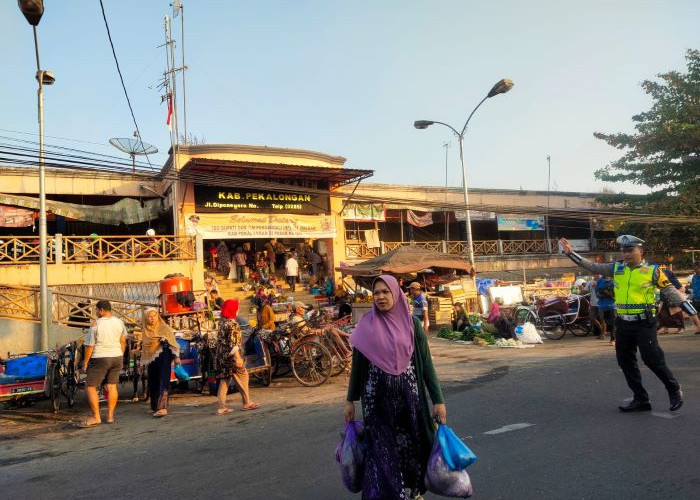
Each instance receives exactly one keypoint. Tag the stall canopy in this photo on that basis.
(406, 260)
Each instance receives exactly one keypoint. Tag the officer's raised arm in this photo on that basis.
(604, 269)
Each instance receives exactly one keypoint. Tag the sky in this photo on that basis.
(350, 78)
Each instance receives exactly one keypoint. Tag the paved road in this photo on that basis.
(571, 442)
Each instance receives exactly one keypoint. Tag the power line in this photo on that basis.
(121, 78)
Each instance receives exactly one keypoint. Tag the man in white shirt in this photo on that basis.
(292, 269)
(105, 342)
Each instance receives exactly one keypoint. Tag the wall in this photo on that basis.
(20, 336)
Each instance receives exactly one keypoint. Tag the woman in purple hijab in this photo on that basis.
(393, 374)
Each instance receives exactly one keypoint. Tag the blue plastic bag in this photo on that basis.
(350, 454)
(441, 480)
(456, 454)
(181, 374)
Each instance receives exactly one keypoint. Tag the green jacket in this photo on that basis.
(424, 371)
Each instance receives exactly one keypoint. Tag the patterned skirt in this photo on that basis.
(391, 406)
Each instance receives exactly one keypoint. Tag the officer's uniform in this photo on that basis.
(636, 322)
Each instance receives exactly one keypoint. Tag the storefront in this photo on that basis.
(246, 194)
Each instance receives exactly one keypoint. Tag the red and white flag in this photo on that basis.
(169, 122)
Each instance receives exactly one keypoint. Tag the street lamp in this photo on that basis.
(33, 10)
(501, 87)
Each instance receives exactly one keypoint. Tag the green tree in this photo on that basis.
(663, 154)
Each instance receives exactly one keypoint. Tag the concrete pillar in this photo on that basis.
(58, 249)
(500, 247)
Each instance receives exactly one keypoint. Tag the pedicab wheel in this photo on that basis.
(265, 376)
(54, 385)
(581, 327)
(524, 315)
(553, 325)
(311, 363)
(339, 365)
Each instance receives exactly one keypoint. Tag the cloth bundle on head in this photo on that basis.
(386, 338)
(230, 309)
(150, 344)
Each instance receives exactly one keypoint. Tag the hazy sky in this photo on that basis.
(349, 79)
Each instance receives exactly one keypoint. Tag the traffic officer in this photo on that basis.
(635, 280)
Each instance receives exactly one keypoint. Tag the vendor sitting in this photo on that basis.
(215, 302)
(267, 315)
(460, 322)
(490, 323)
(298, 313)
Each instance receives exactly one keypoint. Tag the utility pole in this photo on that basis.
(446, 214)
(546, 222)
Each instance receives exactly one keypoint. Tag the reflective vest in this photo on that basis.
(634, 288)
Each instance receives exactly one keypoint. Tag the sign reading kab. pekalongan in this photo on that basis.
(221, 199)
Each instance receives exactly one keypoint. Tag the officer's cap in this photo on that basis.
(628, 241)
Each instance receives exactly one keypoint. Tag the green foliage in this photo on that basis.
(663, 154)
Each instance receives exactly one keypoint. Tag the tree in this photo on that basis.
(663, 154)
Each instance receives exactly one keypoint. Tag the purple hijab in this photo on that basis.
(386, 338)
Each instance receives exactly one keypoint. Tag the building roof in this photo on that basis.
(334, 176)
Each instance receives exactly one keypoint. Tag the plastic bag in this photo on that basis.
(441, 480)
(350, 454)
(457, 455)
(181, 374)
(530, 335)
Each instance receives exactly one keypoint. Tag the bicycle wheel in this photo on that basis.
(553, 325)
(581, 327)
(524, 315)
(69, 384)
(311, 363)
(54, 385)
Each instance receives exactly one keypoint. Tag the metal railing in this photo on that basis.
(18, 302)
(25, 249)
(481, 247)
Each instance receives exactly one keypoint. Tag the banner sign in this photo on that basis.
(218, 199)
(419, 220)
(15, 216)
(364, 212)
(240, 226)
(461, 215)
(520, 223)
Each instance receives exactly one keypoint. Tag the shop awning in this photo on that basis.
(125, 211)
(334, 176)
(405, 260)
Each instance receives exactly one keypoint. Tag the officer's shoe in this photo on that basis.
(676, 399)
(636, 406)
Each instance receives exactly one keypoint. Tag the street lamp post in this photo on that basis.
(501, 87)
(33, 10)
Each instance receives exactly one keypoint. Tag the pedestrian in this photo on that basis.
(270, 254)
(224, 258)
(292, 271)
(215, 301)
(605, 293)
(229, 360)
(210, 282)
(213, 256)
(635, 324)
(393, 375)
(694, 289)
(240, 258)
(315, 260)
(420, 305)
(105, 343)
(159, 349)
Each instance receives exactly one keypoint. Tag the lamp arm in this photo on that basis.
(450, 127)
(464, 129)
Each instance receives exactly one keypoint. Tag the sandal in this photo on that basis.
(86, 423)
(223, 411)
(251, 406)
(160, 413)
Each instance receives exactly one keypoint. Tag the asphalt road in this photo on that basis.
(543, 429)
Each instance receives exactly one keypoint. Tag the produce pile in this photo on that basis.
(472, 333)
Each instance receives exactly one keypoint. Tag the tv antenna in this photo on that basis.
(133, 147)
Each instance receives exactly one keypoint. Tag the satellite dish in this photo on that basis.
(133, 147)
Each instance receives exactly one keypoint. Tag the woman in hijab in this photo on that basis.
(392, 373)
(228, 359)
(158, 350)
